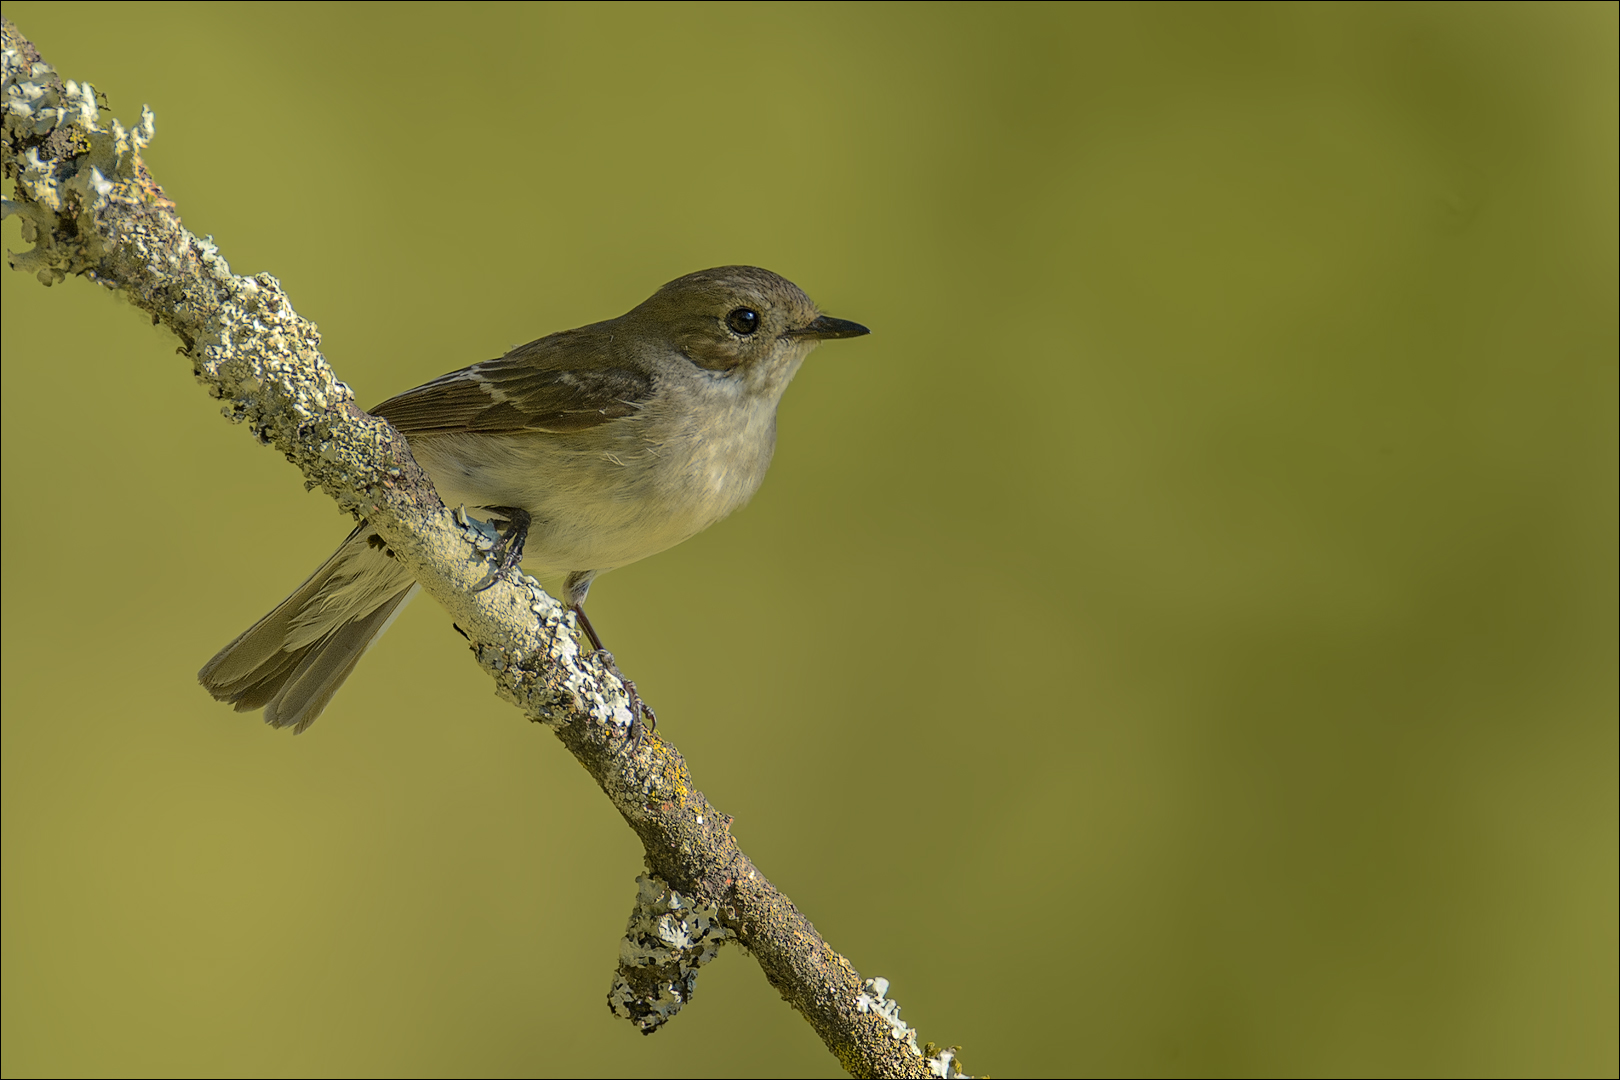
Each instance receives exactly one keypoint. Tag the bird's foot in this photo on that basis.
(509, 552)
(638, 708)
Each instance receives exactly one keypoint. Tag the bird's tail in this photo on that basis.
(293, 660)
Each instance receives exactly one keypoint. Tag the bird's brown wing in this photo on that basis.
(565, 382)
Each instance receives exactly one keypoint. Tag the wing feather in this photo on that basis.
(565, 382)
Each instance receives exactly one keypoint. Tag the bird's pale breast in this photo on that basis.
(615, 493)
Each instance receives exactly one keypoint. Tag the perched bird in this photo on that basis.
(597, 447)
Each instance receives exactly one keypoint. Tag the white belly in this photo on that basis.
(613, 494)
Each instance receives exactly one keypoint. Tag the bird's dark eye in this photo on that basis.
(743, 320)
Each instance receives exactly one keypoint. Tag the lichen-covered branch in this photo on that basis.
(91, 210)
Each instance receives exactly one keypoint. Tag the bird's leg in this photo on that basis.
(510, 550)
(638, 708)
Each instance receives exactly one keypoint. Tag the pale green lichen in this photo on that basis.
(669, 937)
(88, 207)
(873, 999)
(39, 106)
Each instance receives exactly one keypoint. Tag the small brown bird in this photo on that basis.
(597, 447)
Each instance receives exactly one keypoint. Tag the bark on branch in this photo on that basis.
(90, 208)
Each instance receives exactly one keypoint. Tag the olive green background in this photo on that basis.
(1180, 640)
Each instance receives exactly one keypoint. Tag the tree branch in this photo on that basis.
(91, 209)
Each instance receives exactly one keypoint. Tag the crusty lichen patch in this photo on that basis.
(669, 937)
(873, 999)
(65, 161)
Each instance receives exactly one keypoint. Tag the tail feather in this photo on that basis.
(293, 660)
(306, 691)
(255, 690)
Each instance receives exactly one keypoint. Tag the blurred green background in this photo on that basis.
(1179, 641)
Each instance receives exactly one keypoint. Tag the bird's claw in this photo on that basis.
(509, 551)
(638, 708)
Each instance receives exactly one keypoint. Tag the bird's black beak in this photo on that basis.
(826, 327)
